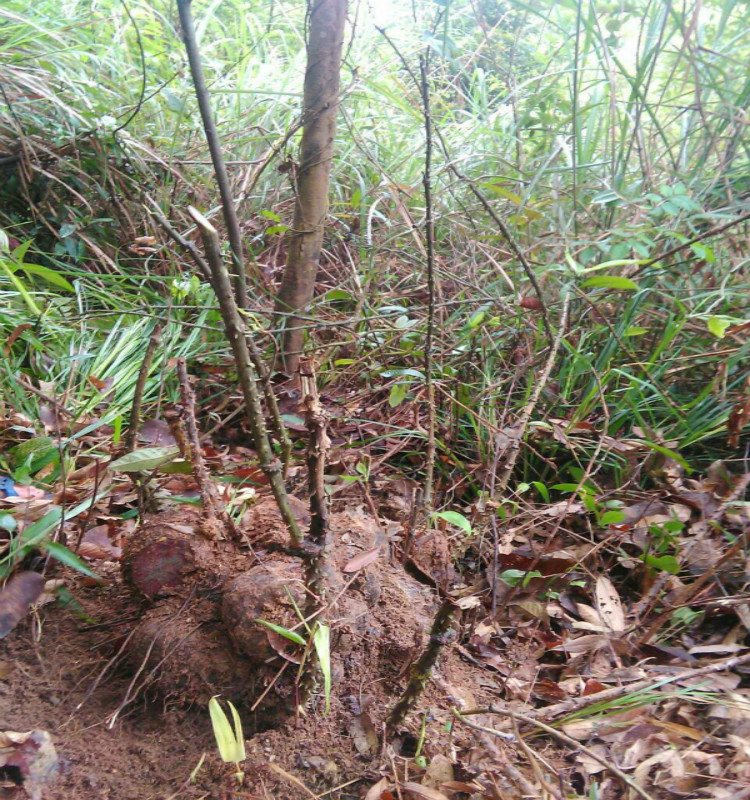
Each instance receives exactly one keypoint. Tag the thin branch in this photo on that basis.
(234, 325)
(213, 511)
(430, 237)
(279, 429)
(140, 387)
(565, 739)
(214, 148)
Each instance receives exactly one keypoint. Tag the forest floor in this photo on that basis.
(613, 671)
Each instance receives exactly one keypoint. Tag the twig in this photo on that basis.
(234, 325)
(705, 235)
(421, 670)
(514, 447)
(214, 148)
(140, 387)
(576, 704)
(212, 509)
(565, 739)
(279, 429)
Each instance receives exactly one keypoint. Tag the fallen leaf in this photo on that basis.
(362, 560)
(422, 792)
(15, 598)
(609, 604)
(375, 792)
(439, 771)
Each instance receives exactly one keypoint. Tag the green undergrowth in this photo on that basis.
(600, 155)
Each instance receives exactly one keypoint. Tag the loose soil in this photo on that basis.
(121, 683)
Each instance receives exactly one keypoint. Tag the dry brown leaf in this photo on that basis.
(439, 771)
(609, 605)
(375, 792)
(583, 644)
(420, 792)
(362, 560)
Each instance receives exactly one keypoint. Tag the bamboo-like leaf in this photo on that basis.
(322, 643)
(145, 459)
(610, 282)
(285, 632)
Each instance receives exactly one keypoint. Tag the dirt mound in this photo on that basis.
(147, 665)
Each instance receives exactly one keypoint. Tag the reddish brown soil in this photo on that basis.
(67, 675)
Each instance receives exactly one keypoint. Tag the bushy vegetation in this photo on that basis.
(605, 135)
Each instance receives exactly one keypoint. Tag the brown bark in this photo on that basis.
(321, 98)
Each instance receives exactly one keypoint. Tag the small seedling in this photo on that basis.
(229, 738)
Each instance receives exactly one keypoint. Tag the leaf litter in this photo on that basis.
(599, 637)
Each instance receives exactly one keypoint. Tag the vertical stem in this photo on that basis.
(320, 107)
(234, 324)
(214, 148)
(317, 538)
(212, 510)
(430, 244)
(140, 388)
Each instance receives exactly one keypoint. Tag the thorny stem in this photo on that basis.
(214, 148)
(421, 670)
(317, 539)
(236, 332)
(211, 507)
(279, 429)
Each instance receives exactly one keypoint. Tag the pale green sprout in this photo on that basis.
(229, 738)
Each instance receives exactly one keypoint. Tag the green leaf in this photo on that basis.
(397, 395)
(285, 632)
(619, 262)
(229, 740)
(666, 452)
(662, 563)
(49, 275)
(322, 642)
(542, 489)
(68, 557)
(612, 518)
(610, 282)
(718, 325)
(634, 330)
(145, 459)
(454, 518)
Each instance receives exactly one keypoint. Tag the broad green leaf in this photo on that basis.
(663, 563)
(397, 395)
(285, 632)
(68, 557)
(718, 325)
(454, 518)
(612, 517)
(610, 282)
(145, 459)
